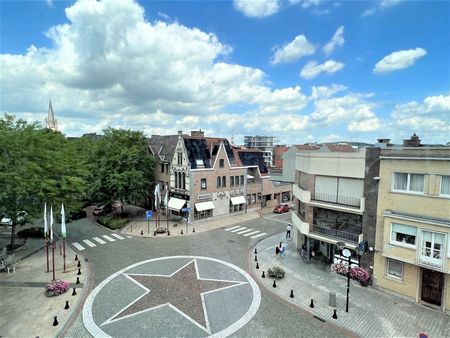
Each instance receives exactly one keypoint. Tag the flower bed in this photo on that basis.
(56, 288)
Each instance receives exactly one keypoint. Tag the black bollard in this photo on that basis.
(256, 258)
(193, 229)
(181, 231)
(79, 264)
(312, 304)
(74, 293)
(168, 233)
(142, 232)
(334, 315)
(67, 305)
(257, 265)
(256, 251)
(154, 233)
(55, 321)
(78, 280)
(79, 272)
(263, 275)
(274, 283)
(292, 294)
(76, 257)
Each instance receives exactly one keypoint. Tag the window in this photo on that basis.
(203, 183)
(432, 244)
(224, 181)
(403, 234)
(162, 167)
(236, 180)
(394, 268)
(242, 179)
(445, 186)
(219, 181)
(221, 163)
(231, 181)
(408, 182)
(180, 158)
(176, 180)
(179, 180)
(184, 181)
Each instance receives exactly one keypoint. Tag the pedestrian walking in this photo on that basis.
(282, 250)
(288, 231)
(277, 251)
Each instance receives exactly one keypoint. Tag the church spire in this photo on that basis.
(50, 121)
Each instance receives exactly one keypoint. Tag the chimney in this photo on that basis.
(197, 133)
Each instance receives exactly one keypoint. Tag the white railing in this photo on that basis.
(345, 200)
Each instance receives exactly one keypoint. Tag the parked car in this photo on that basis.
(6, 221)
(21, 219)
(72, 216)
(279, 209)
(101, 210)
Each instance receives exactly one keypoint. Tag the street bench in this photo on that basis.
(8, 263)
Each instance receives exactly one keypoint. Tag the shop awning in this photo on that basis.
(204, 206)
(250, 176)
(238, 200)
(176, 204)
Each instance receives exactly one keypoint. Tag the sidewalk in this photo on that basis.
(175, 227)
(25, 311)
(372, 313)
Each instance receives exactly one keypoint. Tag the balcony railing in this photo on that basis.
(345, 200)
(346, 235)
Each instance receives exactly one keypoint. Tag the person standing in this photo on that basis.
(277, 251)
(288, 231)
(282, 250)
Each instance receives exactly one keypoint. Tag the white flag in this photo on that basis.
(157, 196)
(63, 222)
(166, 198)
(51, 224)
(45, 221)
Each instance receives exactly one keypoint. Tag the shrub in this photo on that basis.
(112, 222)
(276, 272)
(359, 274)
(56, 287)
(31, 232)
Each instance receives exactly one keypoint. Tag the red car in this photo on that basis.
(281, 208)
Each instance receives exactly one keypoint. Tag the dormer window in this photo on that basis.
(199, 163)
(221, 163)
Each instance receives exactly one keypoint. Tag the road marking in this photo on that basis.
(78, 246)
(244, 231)
(101, 241)
(238, 229)
(88, 242)
(232, 228)
(109, 238)
(259, 235)
(117, 236)
(130, 236)
(251, 233)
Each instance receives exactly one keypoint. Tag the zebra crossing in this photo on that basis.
(88, 243)
(246, 232)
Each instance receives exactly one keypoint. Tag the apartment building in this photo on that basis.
(412, 252)
(265, 144)
(332, 185)
(211, 177)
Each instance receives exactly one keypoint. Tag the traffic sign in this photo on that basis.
(149, 214)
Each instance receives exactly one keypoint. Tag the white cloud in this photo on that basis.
(294, 50)
(399, 60)
(380, 6)
(164, 15)
(305, 3)
(351, 108)
(257, 9)
(109, 66)
(312, 68)
(336, 41)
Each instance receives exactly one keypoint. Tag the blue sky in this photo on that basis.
(302, 70)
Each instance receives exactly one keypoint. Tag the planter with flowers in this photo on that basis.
(360, 274)
(56, 287)
(339, 268)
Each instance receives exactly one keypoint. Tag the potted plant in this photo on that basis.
(339, 268)
(360, 274)
(276, 272)
(56, 287)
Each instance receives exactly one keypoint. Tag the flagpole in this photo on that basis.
(64, 253)
(52, 241)
(46, 235)
(63, 233)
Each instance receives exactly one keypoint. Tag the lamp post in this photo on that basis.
(347, 254)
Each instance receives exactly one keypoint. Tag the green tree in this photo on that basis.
(124, 167)
(37, 166)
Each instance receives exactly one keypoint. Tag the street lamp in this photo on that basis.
(347, 254)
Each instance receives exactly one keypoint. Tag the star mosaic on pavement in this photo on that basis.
(183, 291)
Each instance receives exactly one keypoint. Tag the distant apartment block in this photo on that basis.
(265, 144)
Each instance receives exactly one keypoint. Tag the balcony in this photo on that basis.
(345, 234)
(339, 199)
(432, 258)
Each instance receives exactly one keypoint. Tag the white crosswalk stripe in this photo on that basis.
(117, 236)
(88, 242)
(251, 233)
(129, 236)
(99, 240)
(259, 235)
(244, 231)
(109, 238)
(78, 246)
(232, 228)
(238, 229)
